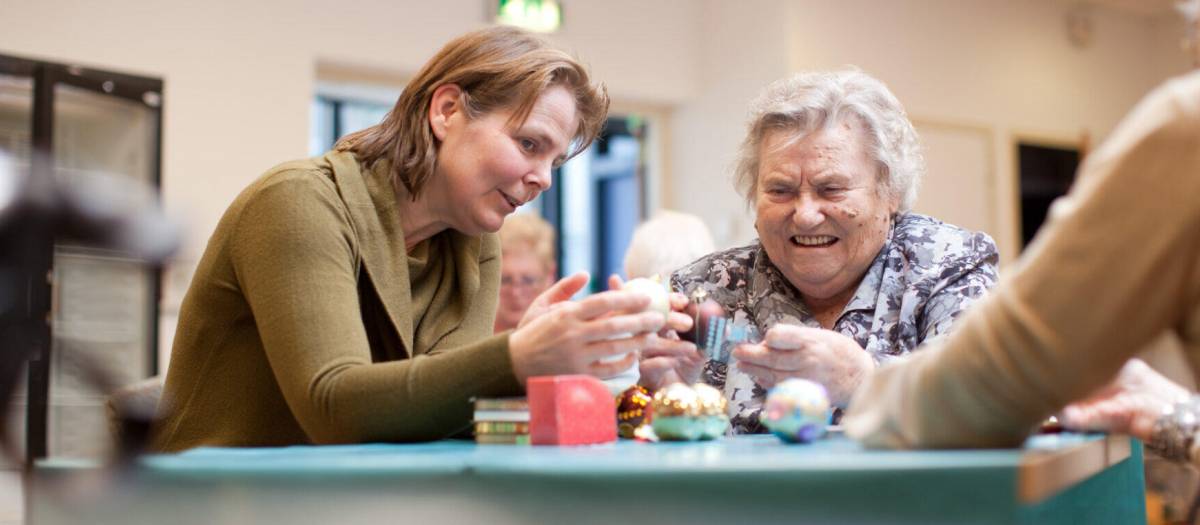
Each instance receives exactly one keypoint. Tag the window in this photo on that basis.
(597, 200)
(341, 109)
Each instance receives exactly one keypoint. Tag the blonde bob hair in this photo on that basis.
(496, 68)
(528, 233)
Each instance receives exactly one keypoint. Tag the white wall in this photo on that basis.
(1003, 67)
(744, 48)
(240, 75)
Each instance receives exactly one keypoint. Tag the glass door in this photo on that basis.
(81, 317)
(105, 143)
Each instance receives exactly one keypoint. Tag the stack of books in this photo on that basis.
(502, 421)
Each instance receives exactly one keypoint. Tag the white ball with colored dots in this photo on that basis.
(797, 410)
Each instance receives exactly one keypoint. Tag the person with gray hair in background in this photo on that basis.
(1115, 266)
(844, 276)
(665, 243)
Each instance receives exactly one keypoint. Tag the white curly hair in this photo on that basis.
(807, 102)
(666, 243)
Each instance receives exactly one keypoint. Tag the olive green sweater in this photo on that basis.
(307, 322)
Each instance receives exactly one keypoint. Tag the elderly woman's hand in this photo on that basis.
(1129, 405)
(824, 356)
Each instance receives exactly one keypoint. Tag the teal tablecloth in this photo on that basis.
(745, 479)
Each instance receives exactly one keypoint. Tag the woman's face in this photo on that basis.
(820, 214)
(523, 276)
(486, 167)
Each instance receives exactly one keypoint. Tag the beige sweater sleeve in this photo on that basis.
(1114, 266)
(296, 260)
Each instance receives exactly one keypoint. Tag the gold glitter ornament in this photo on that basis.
(675, 400)
(688, 413)
(712, 402)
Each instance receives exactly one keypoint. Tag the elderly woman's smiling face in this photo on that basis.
(821, 213)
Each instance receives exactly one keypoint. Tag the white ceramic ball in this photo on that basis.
(660, 296)
(660, 301)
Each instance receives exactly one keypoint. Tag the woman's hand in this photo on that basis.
(565, 337)
(1129, 405)
(824, 356)
(554, 296)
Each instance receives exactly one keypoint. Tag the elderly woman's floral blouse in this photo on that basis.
(927, 273)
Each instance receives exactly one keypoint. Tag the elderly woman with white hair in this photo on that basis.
(844, 276)
(1116, 265)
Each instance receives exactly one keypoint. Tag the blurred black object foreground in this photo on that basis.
(109, 212)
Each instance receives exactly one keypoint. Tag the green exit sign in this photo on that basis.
(542, 16)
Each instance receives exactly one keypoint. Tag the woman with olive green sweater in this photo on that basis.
(351, 297)
(305, 281)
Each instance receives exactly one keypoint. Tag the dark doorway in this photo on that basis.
(1046, 174)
